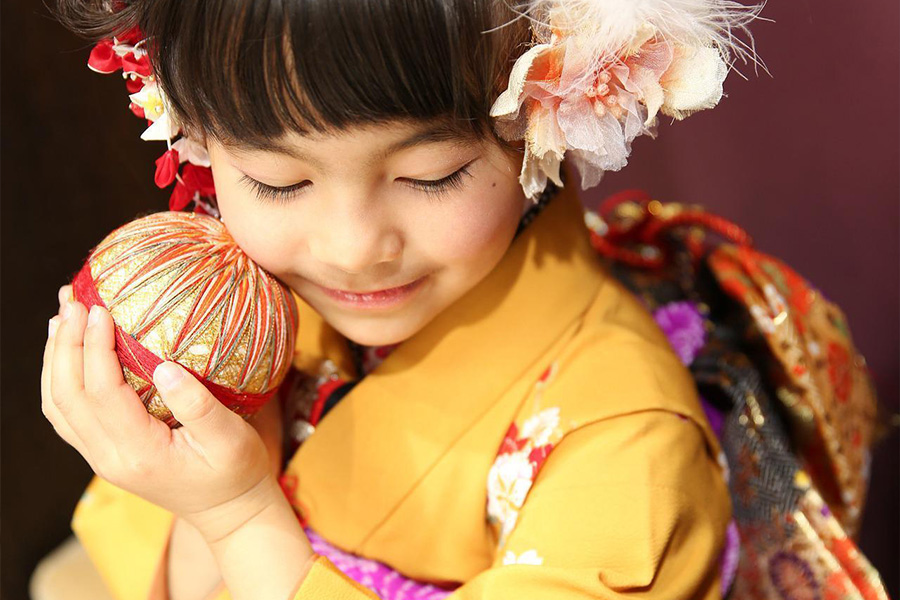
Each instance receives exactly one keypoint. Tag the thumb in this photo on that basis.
(207, 420)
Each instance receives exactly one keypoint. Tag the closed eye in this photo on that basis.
(432, 187)
(439, 187)
(273, 193)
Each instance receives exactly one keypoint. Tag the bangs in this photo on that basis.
(253, 71)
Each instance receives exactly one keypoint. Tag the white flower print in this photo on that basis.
(508, 482)
(539, 428)
(529, 557)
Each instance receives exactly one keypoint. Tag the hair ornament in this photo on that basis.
(597, 77)
(601, 72)
(186, 162)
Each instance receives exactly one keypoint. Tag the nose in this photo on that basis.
(353, 236)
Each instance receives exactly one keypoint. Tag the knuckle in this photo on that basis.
(93, 391)
(105, 473)
(57, 400)
(135, 465)
(62, 402)
(196, 410)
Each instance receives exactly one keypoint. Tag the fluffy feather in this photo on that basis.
(613, 25)
(600, 71)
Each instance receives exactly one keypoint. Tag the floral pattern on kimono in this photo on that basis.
(519, 459)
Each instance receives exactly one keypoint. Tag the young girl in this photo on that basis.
(481, 410)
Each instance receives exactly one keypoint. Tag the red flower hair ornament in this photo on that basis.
(185, 161)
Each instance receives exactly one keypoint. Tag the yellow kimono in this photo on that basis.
(538, 439)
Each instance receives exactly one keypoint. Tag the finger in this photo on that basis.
(67, 376)
(117, 406)
(200, 413)
(49, 409)
(68, 355)
(65, 294)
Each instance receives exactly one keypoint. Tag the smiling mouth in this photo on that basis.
(379, 298)
(369, 292)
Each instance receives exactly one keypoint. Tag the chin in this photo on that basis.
(377, 332)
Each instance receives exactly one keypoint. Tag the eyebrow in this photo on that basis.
(439, 133)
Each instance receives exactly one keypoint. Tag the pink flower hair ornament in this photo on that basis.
(602, 70)
(598, 76)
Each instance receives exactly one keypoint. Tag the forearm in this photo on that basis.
(193, 573)
(190, 571)
(267, 557)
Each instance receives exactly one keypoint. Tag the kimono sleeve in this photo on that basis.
(628, 507)
(125, 537)
(625, 508)
(324, 580)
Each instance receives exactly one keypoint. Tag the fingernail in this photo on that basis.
(167, 375)
(93, 316)
(52, 326)
(67, 310)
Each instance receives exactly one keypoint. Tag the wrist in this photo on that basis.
(217, 523)
(268, 556)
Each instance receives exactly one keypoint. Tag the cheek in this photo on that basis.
(262, 233)
(477, 231)
(268, 251)
(266, 243)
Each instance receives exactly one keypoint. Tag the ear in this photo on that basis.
(513, 152)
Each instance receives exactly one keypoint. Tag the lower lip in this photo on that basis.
(383, 299)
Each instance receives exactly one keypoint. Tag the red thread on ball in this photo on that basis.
(143, 362)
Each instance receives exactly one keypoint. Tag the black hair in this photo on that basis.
(250, 71)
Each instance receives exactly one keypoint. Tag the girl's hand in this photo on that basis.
(214, 471)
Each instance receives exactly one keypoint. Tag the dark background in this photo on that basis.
(807, 161)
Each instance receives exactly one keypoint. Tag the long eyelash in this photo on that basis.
(271, 193)
(439, 187)
(435, 188)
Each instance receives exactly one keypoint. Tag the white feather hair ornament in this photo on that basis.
(602, 70)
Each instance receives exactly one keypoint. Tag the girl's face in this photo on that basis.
(372, 210)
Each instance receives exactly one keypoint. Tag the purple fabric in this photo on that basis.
(714, 416)
(683, 325)
(728, 562)
(387, 583)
